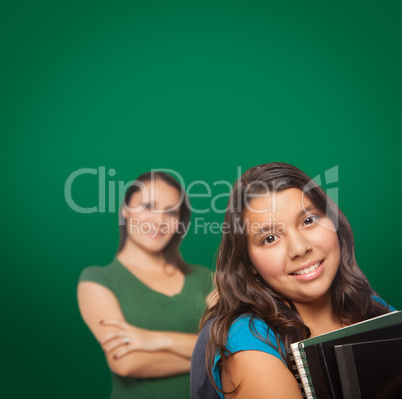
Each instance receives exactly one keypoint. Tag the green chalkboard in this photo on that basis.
(204, 88)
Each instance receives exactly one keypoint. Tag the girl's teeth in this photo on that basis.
(307, 269)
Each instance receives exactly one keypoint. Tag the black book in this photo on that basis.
(370, 370)
(316, 360)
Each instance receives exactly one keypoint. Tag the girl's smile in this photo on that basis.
(308, 272)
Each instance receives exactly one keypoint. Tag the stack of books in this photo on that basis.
(361, 361)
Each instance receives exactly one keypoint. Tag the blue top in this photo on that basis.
(245, 334)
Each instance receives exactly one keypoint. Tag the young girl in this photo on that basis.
(144, 307)
(286, 271)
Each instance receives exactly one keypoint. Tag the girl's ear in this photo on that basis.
(124, 212)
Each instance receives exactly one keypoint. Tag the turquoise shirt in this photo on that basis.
(244, 335)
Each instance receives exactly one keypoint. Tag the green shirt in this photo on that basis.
(146, 308)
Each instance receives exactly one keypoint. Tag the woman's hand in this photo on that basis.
(130, 339)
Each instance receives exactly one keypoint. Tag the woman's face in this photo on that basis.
(152, 215)
(292, 245)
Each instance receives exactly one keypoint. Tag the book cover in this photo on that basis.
(370, 370)
(316, 360)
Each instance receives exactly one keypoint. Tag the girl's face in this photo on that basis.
(152, 216)
(292, 245)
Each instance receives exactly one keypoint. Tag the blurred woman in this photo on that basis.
(144, 308)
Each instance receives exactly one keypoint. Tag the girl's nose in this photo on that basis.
(298, 245)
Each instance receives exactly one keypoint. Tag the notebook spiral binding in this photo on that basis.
(303, 371)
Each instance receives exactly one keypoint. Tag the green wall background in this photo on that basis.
(200, 87)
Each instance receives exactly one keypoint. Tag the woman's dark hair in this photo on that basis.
(171, 251)
(240, 291)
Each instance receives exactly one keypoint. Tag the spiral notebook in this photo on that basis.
(315, 357)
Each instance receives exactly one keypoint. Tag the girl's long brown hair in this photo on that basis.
(240, 291)
(171, 252)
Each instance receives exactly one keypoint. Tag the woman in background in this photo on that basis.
(144, 307)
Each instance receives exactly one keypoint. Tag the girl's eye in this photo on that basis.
(173, 213)
(311, 219)
(147, 206)
(269, 239)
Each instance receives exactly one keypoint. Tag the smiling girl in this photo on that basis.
(145, 306)
(286, 271)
